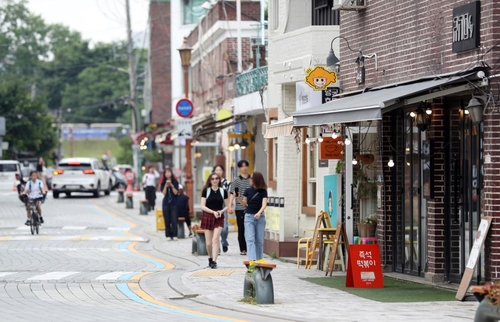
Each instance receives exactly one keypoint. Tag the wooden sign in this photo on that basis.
(364, 269)
(340, 238)
(479, 239)
(331, 149)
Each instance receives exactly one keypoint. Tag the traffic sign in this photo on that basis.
(184, 108)
(184, 128)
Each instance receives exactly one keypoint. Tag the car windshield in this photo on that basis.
(73, 165)
(8, 167)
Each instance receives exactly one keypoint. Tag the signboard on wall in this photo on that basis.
(306, 97)
(331, 149)
(466, 27)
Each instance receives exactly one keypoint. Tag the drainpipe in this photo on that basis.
(238, 35)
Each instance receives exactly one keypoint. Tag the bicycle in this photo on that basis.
(35, 217)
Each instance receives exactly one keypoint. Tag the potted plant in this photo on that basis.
(489, 297)
(368, 226)
(365, 188)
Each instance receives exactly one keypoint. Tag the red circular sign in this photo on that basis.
(184, 108)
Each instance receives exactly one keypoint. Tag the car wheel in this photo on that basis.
(55, 194)
(68, 194)
(98, 190)
(108, 191)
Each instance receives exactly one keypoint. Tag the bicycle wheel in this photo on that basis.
(32, 224)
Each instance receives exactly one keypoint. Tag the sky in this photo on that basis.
(96, 20)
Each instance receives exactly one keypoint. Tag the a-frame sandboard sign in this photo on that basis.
(340, 237)
(479, 239)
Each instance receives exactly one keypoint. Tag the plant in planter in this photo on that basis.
(365, 188)
(489, 296)
(368, 226)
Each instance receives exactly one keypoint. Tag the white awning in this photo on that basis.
(280, 128)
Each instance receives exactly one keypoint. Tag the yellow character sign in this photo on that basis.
(319, 78)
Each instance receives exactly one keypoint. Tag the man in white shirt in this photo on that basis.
(35, 190)
(149, 184)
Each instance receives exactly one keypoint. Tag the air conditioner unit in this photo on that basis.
(349, 4)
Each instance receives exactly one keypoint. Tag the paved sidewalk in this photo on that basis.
(193, 284)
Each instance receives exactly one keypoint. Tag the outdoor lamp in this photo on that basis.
(185, 53)
(320, 138)
(243, 144)
(354, 161)
(332, 61)
(390, 163)
(475, 108)
(422, 119)
(237, 146)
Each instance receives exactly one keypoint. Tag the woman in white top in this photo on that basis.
(149, 183)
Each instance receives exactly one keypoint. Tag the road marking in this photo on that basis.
(113, 275)
(215, 272)
(75, 227)
(74, 238)
(2, 274)
(23, 228)
(118, 228)
(52, 276)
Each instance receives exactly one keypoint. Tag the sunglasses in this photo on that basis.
(214, 178)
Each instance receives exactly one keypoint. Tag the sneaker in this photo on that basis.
(224, 249)
(176, 239)
(41, 219)
(190, 235)
(213, 265)
(210, 262)
(171, 238)
(28, 222)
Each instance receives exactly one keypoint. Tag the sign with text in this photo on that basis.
(364, 269)
(328, 93)
(184, 128)
(331, 149)
(465, 27)
(479, 239)
(184, 108)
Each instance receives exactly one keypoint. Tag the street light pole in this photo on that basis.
(133, 85)
(185, 52)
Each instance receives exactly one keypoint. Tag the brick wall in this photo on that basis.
(160, 62)
(411, 39)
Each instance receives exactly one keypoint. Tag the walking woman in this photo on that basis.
(213, 203)
(255, 200)
(219, 169)
(169, 188)
(149, 183)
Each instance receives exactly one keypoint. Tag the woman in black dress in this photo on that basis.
(214, 203)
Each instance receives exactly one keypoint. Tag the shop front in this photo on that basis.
(413, 160)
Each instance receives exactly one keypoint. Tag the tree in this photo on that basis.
(28, 124)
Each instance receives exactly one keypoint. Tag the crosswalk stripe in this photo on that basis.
(2, 274)
(52, 276)
(112, 275)
(75, 227)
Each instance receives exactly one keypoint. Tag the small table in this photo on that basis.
(322, 233)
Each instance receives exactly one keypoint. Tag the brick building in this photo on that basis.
(409, 72)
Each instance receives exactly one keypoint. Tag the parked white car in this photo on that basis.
(80, 175)
(10, 173)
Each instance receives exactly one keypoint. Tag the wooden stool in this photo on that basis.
(369, 240)
(144, 206)
(130, 201)
(180, 227)
(121, 198)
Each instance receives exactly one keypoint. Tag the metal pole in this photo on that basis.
(132, 81)
(189, 167)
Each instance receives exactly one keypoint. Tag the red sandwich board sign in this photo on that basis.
(184, 108)
(364, 269)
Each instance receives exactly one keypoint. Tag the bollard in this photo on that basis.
(487, 312)
(121, 198)
(201, 246)
(144, 206)
(130, 201)
(259, 283)
(194, 246)
(180, 227)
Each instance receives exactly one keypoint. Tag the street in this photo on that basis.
(96, 261)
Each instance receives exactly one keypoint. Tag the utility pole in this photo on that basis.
(132, 81)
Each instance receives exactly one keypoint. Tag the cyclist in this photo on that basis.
(35, 190)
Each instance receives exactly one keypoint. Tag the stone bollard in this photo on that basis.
(144, 206)
(121, 198)
(130, 201)
(180, 227)
(258, 282)
(201, 246)
(487, 312)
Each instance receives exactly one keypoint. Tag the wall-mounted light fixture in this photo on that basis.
(333, 61)
(422, 117)
(475, 108)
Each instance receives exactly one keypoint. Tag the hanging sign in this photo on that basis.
(319, 78)
(364, 269)
(331, 149)
(466, 22)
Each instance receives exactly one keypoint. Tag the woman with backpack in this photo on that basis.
(214, 203)
(219, 169)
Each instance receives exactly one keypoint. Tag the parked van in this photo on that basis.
(10, 174)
